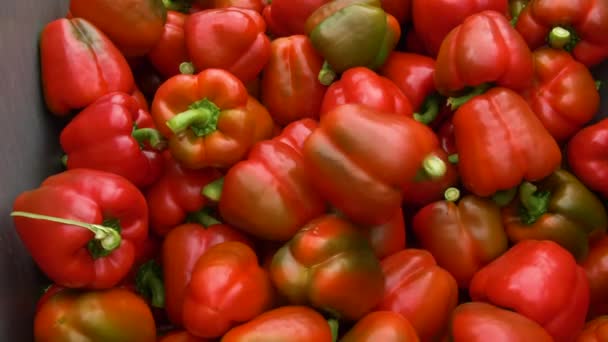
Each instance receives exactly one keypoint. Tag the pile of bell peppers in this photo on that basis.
(323, 170)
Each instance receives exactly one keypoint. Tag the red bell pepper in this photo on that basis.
(446, 137)
(587, 152)
(79, 64)
(387, 238)
(288, 323)
(227, 288)
(483, 49)
(594, 331)
(232, 38)
(363, 86)
(181, 336)
(133, 25)
(381, 326)
(81, 227)
(114, 134)
(116, 315)
(181, 249)
(170, 50)
(564, 95)
(209, 119)
(540, 280)
(400, 9)
(255, 5)
(269, 195)
(141, 100)
(596, 268)
(350, 165)
(290, 89)
(422, 292)
(329, 265)
(432, 31)
(478, 322)
(579, 26)
(510, 143)
(287, 17)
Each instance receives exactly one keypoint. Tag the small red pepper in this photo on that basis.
(288, 17)
(170, 51)
(587, 153)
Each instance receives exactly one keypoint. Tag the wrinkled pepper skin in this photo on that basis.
(540, 280)
(381, 326)
(181, 249)
(424, 293)
(563, 95)
(587, 155)
(419, 193)
(350, 33)
(596, 268)
(558, 208)
(290, 88)
(288, 323)
(227, 288)
(182, 336)
(510, 144)
(170, 50)
(351, 167)
(112, 315)
(71, 256)
(106, 136)
(595, 331)
(287, 17)
(79, 64)
(587, 19)
(471, 229)
(329, 265)
(476, 322)
(363, 86)
(269, 195)
(483, 49)
(432, 32)
(209, 119)
(133, 25)
(387, 238)
(232, 38)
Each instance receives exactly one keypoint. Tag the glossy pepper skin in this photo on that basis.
(115, 134)
(587, 21)
(350, 33)
(596, 268)
(170, 50)
(209, 119)
(387, 238)
(133, 25)
(595, 330)
(73, 256)
(476, 321)
(483, 49)
(292, 323)
(329, 265)
(510, 144)
(424, 293)
(232, 38)
(228, 287)
(181, 336)
(470, 228)
(286, 18)
(556, 296)
(351, 167)
(181, 249)
(269, 195)
(586, 153)
(381, 326)
(111, 315)
(558, 208)
(452, 13)
(363, 86)
(79, 64)
(563, 95)
(290, 88)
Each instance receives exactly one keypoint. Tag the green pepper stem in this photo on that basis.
(186, 68)
(177, 5)
(598, 84)
(327, 75)
(516, 7)
(504, 197)
(451, 194)
(534, 203)
(201, 118)
(434, 167)
(457, 102)
(203, 218)
(64, 160)
(149, 283)
(334, 327)
(150, 135)
(430, 109)
(213, 190)
(454, 158)
(108, 237)
(559, 37)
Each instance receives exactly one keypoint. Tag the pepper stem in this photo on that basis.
(504, 197)
(430, 109)
(451, 194)
(151, 136)
(454, 158)
(327, 75)
(201, 117)
(559, 37)
(177, 5)
(598, 85)
(203, 218)
(516, 7)
(456, 102)
(213, 190)
(108, 237)
(149, 283)
(186, 68)
(433, 167)
(534, 202)
(334, 327)
(64, 160)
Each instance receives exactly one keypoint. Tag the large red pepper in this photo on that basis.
(579, 26)
(290, 88)
(434, 19)
(381, 326)
(232, 38)
(170, 51)
(227, 287)
(564, 94)
(209, 119)
(596, 268)
(595, 331)
(79, 64)
(540, 280)
(587, 153)
(483, 49)
(364, 86)
(81, 227)
(114, 134)
(288, 17)
(510, 143)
